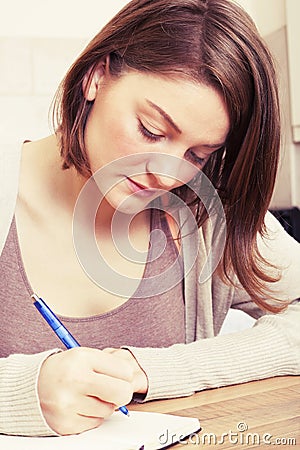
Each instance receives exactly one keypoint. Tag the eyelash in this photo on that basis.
(192, 155)
(151, 137)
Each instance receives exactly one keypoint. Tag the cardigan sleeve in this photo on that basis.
(270, 348)
(20, 412)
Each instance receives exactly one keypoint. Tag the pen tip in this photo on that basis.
(35, 297)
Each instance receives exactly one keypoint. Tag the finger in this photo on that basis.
(109, 364)
(109, 350)
(77, 424)
(122, 353)
(93, 407)
(109, 389)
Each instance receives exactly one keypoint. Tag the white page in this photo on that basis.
(153, 430)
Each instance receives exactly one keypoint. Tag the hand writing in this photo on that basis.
(79, 388)
(140, 381)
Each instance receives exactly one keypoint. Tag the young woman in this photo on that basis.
(172, 96)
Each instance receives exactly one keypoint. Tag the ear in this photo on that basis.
(92, 79)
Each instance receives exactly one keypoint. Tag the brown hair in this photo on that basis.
(213, 42)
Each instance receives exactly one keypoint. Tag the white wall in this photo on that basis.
(39, 39)
(293, 36)
(278, 22)
(56, 18)
(269, 15)
(67, 18)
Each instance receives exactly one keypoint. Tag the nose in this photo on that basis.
(169, 171)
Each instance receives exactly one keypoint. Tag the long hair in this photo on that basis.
(216, 43)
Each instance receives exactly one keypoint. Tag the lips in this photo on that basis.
(138, 185)
(138, 188)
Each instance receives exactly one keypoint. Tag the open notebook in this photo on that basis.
(142, 430)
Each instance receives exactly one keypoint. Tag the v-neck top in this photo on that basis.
(144, 320)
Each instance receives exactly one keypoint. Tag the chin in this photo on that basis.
(130, 204)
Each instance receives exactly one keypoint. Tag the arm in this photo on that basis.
(62, 392)
(21, 414)
(266, 350)
(270, 348)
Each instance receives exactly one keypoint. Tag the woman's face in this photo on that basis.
(163, 129)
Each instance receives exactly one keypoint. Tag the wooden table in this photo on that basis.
(250, 415)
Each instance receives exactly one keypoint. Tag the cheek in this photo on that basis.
(124, 140)
(111, 135)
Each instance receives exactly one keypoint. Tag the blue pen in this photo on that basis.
(60, 330)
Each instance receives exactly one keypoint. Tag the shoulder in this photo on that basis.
(10, 155)
(277, 244)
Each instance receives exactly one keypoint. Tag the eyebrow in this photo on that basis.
(164, 115)
(176, 127)
(215, 146)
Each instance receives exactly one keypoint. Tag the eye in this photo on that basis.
(148, 135)
(195, 158)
